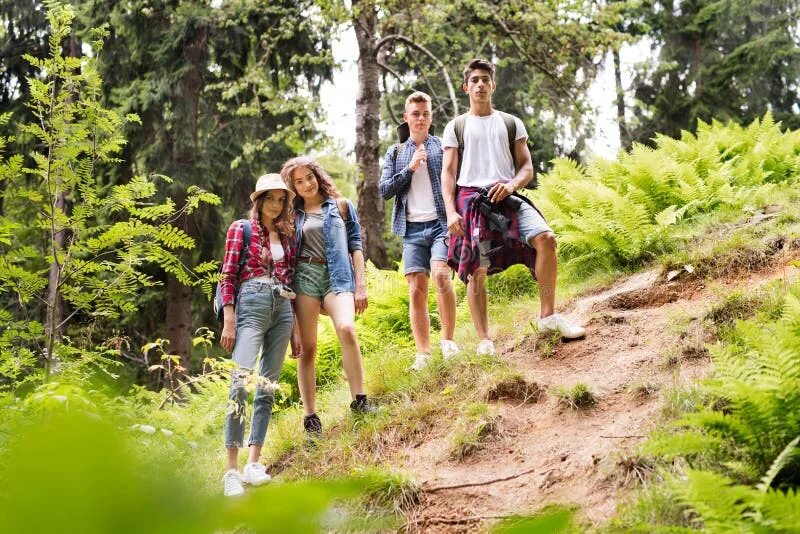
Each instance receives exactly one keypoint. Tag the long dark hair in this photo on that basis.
(284, 223)
(325, 182)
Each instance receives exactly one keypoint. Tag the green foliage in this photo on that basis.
(551, 520)
(106, 476)
(615, 215)
(577, 397)
(740, 439)
(65, 238)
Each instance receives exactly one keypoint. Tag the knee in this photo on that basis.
(544, 242)
(418, 287)
(441, 279)
(239, 392)
(346, 333)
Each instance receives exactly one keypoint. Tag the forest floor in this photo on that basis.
(645, 342)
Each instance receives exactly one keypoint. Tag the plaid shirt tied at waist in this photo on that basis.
(506, 249)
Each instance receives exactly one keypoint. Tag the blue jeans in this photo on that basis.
(263, 324)
(424, 242)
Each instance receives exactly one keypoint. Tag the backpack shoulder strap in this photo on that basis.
(247, 233)
(344, 211)
(458, 127)
(511, 128)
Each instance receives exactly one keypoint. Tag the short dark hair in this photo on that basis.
(482, 64)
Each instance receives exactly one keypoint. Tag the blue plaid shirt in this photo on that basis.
(396, 179)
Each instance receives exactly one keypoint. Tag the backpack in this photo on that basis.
(243, 253)
(511, 128)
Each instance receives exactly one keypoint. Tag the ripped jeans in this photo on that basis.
(263, 324)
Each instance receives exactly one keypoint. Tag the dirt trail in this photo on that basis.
(573, 457)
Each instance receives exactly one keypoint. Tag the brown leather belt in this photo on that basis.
(308, 259)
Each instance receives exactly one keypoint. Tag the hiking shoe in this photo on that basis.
(313, 426)
(232, 482)
(361, 406)
(420, 361)
(255, 474)
(485, 348)
(558, 323)
(449, 349)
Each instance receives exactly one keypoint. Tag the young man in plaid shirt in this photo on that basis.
(412, 174)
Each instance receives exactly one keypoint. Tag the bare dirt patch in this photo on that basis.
(553, 454)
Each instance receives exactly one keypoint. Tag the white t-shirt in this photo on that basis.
(277, 251)
(486, 156)
(420, 206)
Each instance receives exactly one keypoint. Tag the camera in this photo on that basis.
(497, 221)
(282, 290)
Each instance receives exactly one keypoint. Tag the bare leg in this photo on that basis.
(341, 308)
(418, 311)
(255, 454)
(233, 458)
(445, 298)
(307, 311)
(478, 307)
(546, 270)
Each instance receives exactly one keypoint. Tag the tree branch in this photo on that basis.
(484, 483)
(403, 39)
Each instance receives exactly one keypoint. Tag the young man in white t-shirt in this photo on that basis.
(487, 162)
(411, 174)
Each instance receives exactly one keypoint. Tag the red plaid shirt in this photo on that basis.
(259, 261)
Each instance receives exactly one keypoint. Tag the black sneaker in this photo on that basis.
(361, 406)
(313, 426)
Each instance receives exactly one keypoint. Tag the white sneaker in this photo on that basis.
(556, 322)
(255, 474)
(485, 348)
(449, 349)
(420, 361)
(232, 482)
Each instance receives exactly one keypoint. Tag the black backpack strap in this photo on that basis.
(247, 233)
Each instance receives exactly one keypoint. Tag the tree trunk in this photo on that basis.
(58, 237)
(621, 124)
(368, 103)
(184, 157)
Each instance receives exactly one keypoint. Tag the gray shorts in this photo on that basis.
(531, 224)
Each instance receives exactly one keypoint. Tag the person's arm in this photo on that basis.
(455, 223)
(355, 248)
(391, 182)
(360, 295)
(522, 155)
(353, 228)
(229, 278)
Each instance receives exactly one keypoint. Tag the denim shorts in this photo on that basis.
(531, 224)
(423, 243)
(312, 279)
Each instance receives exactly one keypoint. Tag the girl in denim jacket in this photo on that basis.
(257, 320)
(329, 275)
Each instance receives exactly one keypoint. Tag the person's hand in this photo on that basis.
(360, 298)
(500, 190)
(296, 343)
(455, 224)
(228, 337)
(420, 157)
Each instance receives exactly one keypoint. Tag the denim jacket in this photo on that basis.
(396, 179)
(341, 239)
